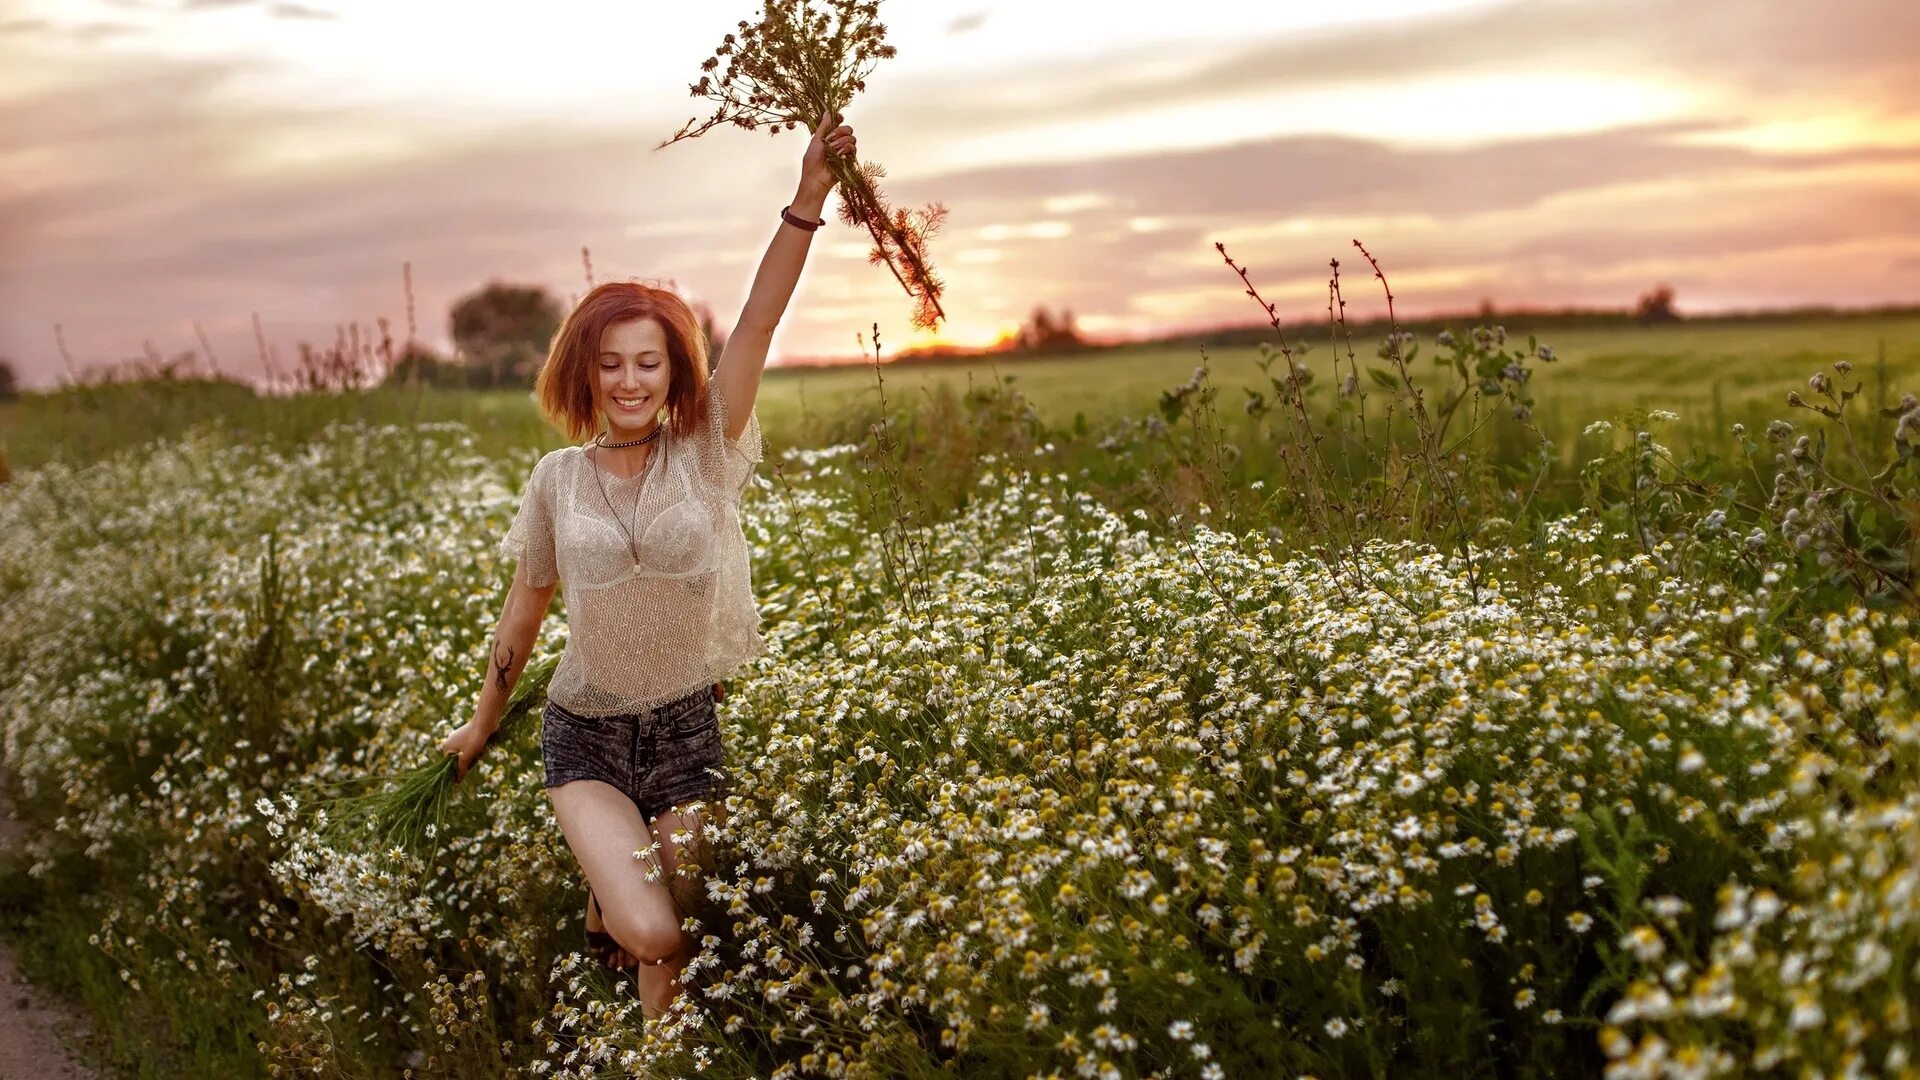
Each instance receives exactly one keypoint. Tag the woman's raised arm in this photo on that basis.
(745, 357)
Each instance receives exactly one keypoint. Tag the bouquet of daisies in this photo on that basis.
(796, 66)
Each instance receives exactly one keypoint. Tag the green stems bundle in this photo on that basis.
(406, 810)
(791, 69)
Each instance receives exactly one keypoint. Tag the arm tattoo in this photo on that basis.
(499, 668)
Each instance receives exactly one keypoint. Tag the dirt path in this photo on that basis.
(35, 1031)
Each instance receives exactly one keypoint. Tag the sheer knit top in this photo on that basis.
(644, 632)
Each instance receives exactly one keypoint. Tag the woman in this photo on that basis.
(642, 524)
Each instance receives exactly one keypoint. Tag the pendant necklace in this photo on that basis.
(633, 546)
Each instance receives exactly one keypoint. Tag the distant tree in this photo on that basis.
(1656, 306)
(9, 380)
(503, 332)
(1043, 332)
(1486, 308)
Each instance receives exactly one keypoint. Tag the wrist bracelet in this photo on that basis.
(787, 215)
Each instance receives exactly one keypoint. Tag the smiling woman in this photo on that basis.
(640, 521)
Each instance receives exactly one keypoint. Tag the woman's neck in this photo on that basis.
(624, 461)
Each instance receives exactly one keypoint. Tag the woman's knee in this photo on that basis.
(649, 931)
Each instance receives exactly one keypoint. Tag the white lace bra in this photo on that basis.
(674, 529)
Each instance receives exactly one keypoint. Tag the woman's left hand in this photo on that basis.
(813, 167)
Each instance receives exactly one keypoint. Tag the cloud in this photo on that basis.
(84, 32)
(282, 9)
(1768, 223)
(298, 11)
(967, 23)
(1850, 49)
(164, 213)
(1572, 218)
(1826, 45)
(178, 198)
(1298, 175)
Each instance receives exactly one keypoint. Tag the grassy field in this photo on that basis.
(1130, 748)
(1598, 373)
(1710, 373)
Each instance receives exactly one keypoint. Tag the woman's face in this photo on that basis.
(630, 387)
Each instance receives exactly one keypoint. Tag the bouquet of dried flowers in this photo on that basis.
(796, 67)
(381, 813)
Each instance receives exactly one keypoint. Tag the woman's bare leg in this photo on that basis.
(621, 957)
(681, 846)
(604, 830)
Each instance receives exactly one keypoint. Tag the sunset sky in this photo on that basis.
(167, 161)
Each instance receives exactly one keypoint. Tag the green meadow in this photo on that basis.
(1710, 373)
(1599, 373)
(1116, 722)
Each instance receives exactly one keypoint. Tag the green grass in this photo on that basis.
(1666, 366)
(1598, 374)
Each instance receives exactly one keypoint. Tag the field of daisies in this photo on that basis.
(1035, 781)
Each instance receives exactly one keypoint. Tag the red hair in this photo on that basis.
(564, 390)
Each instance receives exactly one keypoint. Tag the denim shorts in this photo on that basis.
(658, 757)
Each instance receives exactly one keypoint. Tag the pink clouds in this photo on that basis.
(133, 205)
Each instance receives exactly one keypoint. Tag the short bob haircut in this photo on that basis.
(564, 390)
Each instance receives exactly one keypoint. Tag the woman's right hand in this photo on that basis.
(469, 741)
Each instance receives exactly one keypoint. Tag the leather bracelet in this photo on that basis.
(787, 215)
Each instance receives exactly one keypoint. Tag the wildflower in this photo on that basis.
(1644, 942)
(1807, 1012)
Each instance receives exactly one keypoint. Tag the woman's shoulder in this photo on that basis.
(550, 463)
(557, 457)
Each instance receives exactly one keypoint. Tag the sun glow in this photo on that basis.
(1851, 130)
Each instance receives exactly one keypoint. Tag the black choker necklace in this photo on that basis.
(601, 439)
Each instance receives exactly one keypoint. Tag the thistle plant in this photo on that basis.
(797, 66)
(405, 810)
